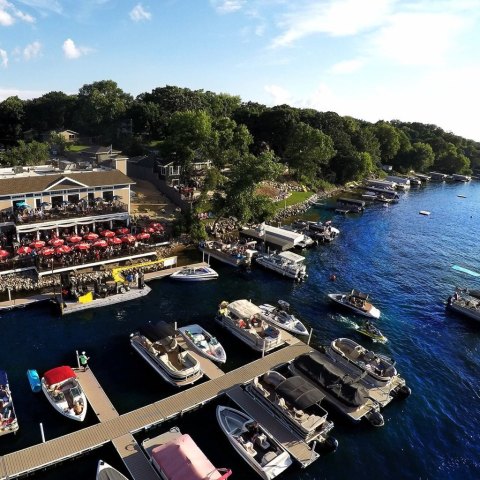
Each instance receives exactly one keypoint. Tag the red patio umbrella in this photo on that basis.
(123, 230)
(56, 242)
(90, 236)
(143, 236)
(4, 254)
(47, 251)
(37, 244)
(100, 243)
(107, 233)
(63, 249)
(150, 230)
(24, 250)
(82, 246)
(74, 239)
(114, 241)
(128, 239)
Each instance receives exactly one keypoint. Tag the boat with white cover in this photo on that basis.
(157, 345)
(203, 342)
(296, 403)
(8, 419)
(288, 264)
(465, 302)
(63, 390)
(107, 472)
(356, 301)
(253, 443)
(175, 456)
(245, 320)
(281, 317)
(195, 274)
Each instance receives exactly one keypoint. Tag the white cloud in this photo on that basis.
(3, 58)
(9, 14)
(138, 13)
(227, 6)
(32, 50)
(23, 94)
(346, 66)
(279, 95)
(71, 51)
(44, 5)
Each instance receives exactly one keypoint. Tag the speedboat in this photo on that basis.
(8, 419)
(254, 444)
(356, 301)
(296, 403)
(245, 320)
(466, 302)
(195, 274)
(107, 472)
(370, 330)
(281, 317)
(288, 264)
(157, 345)
(63, 390)
(176, 456)
(203, 342)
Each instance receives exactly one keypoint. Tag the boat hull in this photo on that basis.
(219, 354)
(295, 326)
(341, 299)
(62, 407)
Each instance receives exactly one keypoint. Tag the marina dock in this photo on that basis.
(118, 429)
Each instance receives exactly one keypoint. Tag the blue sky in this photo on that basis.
(413, 60)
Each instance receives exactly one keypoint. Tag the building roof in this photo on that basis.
(40, 183)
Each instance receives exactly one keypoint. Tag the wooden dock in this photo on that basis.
(25, 302)
(116, 428)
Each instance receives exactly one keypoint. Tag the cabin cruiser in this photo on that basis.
(195, 274)
(296, 403)
(466, 302)
(203, 342)
(62, 389)
(253, 443)
(176, 456)
(107, 472)
(288, 264)
(158, 346)
(8, 419)
(281, 317)
(356, 301)
(245, 320)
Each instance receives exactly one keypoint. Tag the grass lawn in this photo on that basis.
(293, 199)
(77, 148)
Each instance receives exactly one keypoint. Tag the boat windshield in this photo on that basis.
(75, 391)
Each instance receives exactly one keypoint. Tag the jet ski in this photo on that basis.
(370, 330)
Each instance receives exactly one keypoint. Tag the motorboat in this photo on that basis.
(63, 390)
(203, 342)
(323, 232)
(296, 403)
(157, 345)
(107, 472)
(253, 443)
(245, 320)
(281, 317)
(356, 301)
(175, 456)
(341, 389)
(8, 419)
(370, 330)
(195, 274)
(465, 302)
(238, 254)
(288, 264)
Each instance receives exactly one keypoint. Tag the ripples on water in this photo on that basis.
(401, 258)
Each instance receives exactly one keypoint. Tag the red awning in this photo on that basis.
(58, 374)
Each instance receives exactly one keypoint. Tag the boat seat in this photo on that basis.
(262, 441)
(282, 404)
(268, 457)
(259, 387)
(299, 414)
(249, 448)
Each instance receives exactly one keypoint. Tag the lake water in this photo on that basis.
(401, 258)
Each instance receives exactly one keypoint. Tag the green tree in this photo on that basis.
(11, 119)
(32, 153)
(389, 139)
(421, 157)
(452, 161)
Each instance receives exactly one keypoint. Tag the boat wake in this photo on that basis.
(347, 321)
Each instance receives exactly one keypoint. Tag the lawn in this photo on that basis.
(294, 199)
(76, 148)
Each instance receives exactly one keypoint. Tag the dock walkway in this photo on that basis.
(28, 460)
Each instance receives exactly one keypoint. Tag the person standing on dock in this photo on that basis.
(83, 359)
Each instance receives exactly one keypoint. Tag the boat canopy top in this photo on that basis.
(357, 294)
(157, 331)
(300, 393)
(292, 257)
(58, 374)
(3, 377)
(182, 459)
(244, 308)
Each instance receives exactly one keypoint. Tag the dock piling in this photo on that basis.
(42, 432)
(310, 336)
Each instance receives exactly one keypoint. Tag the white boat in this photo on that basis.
(8, 419)
(253, 443)
(356, 301)
(296, 403)
(63, 390)
(288, 264)
(157, 345)
(424, 212)
(281, 317)
(195, 274)
(465, 302)
(244, 320)
(176, 457)
(203, 342)
(107, 472)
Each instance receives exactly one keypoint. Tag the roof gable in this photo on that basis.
(65, 182)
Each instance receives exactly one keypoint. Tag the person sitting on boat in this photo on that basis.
(255, 321)
(242, 324)
(370, 327)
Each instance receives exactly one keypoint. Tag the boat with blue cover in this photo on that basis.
(34, 380)
(8, 419)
